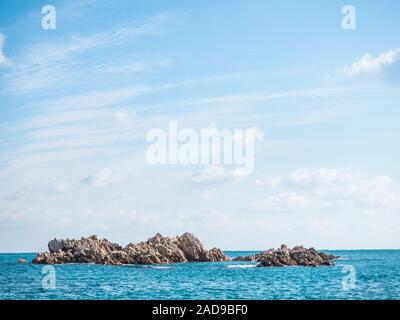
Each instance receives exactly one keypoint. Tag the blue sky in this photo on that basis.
(76, 103)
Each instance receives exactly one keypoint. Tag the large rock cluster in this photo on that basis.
(156, 250)
(298, 256)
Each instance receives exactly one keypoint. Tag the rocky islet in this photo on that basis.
(166, 250)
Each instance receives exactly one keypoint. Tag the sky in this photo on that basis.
(77, 101)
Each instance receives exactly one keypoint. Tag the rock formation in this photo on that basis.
(156, 250)
(298, 256)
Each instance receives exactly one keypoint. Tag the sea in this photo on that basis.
(358, 275)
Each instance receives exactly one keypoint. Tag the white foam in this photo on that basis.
(107, 288)
(241, 266)
(144, 266)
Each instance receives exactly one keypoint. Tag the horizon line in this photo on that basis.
(365, 249)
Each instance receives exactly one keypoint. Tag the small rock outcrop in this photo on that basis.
(298, 256)
(156, 250)
(21, 260)
(85, 250)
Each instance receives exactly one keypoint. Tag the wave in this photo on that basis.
(106, 288)
(241, 266)
(144, 266)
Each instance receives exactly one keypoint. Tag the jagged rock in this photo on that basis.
(156, 250)
(298, 256)
(85, 250)
(191, 247)
(214, 255)
(55, 245)
(250, 258)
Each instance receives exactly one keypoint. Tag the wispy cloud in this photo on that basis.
(315, 116)
(3, 59)
(71, 127)
(51, 64)
(129, 66)
(242, 100)
(260, 97)
(75, 9)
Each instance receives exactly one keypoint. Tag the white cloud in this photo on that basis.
(105, 177)
(328, 189)
(3, 59)
(271, 182)
(215, 174)
(308, 177)
(208, 195)
(372, 65)
(124, 118)
(62, 186)
(283, 202)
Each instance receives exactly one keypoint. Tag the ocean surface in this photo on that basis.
(361, 274)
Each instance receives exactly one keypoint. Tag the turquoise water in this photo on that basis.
(377, 275)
